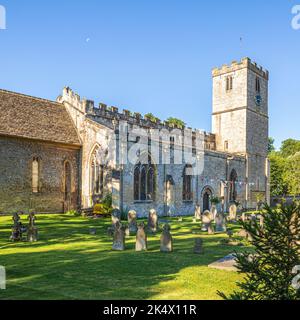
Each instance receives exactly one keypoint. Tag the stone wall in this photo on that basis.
(16, 176)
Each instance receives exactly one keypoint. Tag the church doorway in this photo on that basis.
(206, 197)
(170, 198)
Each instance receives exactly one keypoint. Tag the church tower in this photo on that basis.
(240, 120)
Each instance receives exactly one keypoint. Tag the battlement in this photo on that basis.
(110, 115)
(244, 63)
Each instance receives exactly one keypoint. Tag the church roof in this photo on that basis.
(34, 118)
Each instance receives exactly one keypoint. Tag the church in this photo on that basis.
(57, 156)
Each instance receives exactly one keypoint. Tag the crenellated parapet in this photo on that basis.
(111, 116)
(244, 63)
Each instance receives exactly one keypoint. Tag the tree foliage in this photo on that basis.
(176, 122)
(269, 270)
(285, 169)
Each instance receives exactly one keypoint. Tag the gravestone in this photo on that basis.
(141, 238)
(166, 240)
(132, 224)
(16, 234)
(115, 217)
(210, 228)
(119, 238)
(152, 221)
(93, 231)
(261, 221)
(127, 231)
(32, 233)
(214, 212)
(198, 212)
(198, 248)
(220, 223)
(232, 212)
(244, 218)
(206, 220)
(227, 263)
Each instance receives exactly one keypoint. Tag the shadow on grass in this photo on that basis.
(69, 263)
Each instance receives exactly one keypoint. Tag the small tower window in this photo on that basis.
(226, 145)
(35, 175)
(257, 85)
(229, 83)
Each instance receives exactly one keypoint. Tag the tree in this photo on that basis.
(279, 184)
(176, 122)
(290, 147)
(151, 117)
(291, 174)
(271, 146)
(269, 271)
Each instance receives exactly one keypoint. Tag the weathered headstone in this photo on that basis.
(220, 223)
(141, 238)
(232, 212)
(132, 224)
(213, 211)
(119, 238)
(210, 228)
(244, 217)
(16, 234)
(227, 263)
(152, 221)
(115, 217)
(198, 248)
(198, 212)
(261, 221)
(32, 232)
(166, 240)
(206, 220)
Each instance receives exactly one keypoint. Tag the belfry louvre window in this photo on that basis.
(35, 175)
(257, 85)
(229, 83)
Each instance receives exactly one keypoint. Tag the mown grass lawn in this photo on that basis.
(69, 263)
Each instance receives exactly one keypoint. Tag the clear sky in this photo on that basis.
(151, 55)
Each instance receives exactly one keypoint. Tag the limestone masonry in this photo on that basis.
(54, 155)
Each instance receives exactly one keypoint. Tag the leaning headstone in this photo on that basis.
(115, 217)
(152, 221)
(206, 220)
(132, 224)
(141, 238)
(198, 248)
(220, 223)
(232, 212)
(32, 233)
(166, 240)
(198, 212)
(119, 238)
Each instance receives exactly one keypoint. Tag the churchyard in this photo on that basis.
(74, 259)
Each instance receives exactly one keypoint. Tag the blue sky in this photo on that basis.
(151, 56)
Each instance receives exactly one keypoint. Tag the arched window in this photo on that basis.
(187, 192)
(68, 181)
(97, 173)
(35, 175)
(232, 189)
(144, 181)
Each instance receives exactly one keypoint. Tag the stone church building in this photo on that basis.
(54, 154)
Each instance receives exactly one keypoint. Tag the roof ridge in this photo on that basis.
(29, 96)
